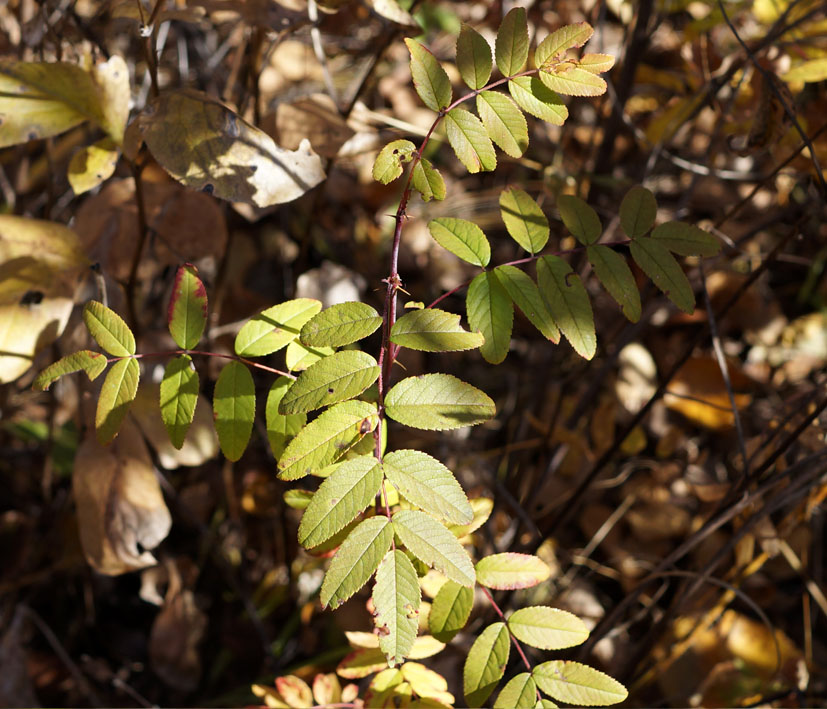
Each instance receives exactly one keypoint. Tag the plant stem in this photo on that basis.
(236, 358)
(514, 640)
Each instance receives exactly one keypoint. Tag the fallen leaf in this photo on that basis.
(315, 118)
(174, 638)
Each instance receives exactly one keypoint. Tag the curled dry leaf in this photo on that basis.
(121, 511)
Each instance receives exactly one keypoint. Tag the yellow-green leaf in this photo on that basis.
(637, 212)
(490, 311)
(526, 296)
(560, 41)
(504, 122)
(388, 164)
(396, 598)
(568, 304)
(511, 46)
(280, 428)
(187, 312)
(450, 610)
(686, 239)
(809, 71)
(427, 181)
(524, 219)
(468, 138)
(473, 57)
(275, 328)
(433, 330)
(485, 664)
(614, 273)
(430, 80)
(462, 238)
(534, 97)
(596, 63)
(178, 397)
(92, 165)
(519, 693)
(297, 357)
(93, 363)
(234, 408)
(580, 219)
(510, 570)
(117, 393)
(547, 628)
(569, 80)
(108, 329)
(665, 272)
(437, 402)
(574, 683)
(340, 324)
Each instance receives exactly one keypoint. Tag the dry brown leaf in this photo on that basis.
(173, 641)
(315, 118)
(121, 511)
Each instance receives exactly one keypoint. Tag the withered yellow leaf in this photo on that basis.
(92, 165)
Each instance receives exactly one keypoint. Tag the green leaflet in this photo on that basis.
(438, 402)
(526, 296)
(468, 138)
(280, 428)
(356, 560)
(524, 219)
(686, 239)
(339, 499)
(179, 395)
(616, 276)
(433, 330)
(297, 357)
(519, 693)
(427, 181)
(580, 219)
(473, 58)
(117, 393)
(572, 81)
(388, 164)
(338, 377)
(450, 610)
(327, 438)
(93, 363)
(490, 311)
(568, 303)
(275, 327)
(596, 63)
(534, 97)
(504, 122)
(511, 46)
(657, 263)
(187, 312)
(340, 324)
(108, 329)
(509, 571)
(637, 212)
(430, 542)
(396, 598)
(560, 41)
(485, 664)
(430, 80)
(234, 408)
(297, 499)
(462, 238)
(578, 684)
(428, 484)
(547, 628)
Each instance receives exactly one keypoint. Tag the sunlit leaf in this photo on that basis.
(504, 122)
(327, 438)
(571, 81)
(519, 693)
(450, 610)
(485, 664)
(686, 239)
(363, 661)
(93, 363)
(473, 57)
(297, 499)
(428, 484)
(560, 41)
(340, 324)
(396, 598)
(356, 560)
(341, 376)
(187, 313)
(526, 296)
(433, 330)
(427, 181)
(437, 402)
(430, 80)
(596, 63)
(92, 165)
(568, 304)
(388, 164)
(578, 684)
(234, 408)
(297, 357)
(280, 428)
(431, 686)
(470, 141)
(510, 570)
(580, 219)
(178, 398)
(274, 328)
(434, 545)
(638, 211)
(482, 507)
(490, 311)
(108, 329)
(616, 276)
(294, 691)
(534, 97)
(547, 628)
(524, 219)
(657, 263)
(117, 393)
(462, 238)
(511, 47)
(339, 499)
(810, 71)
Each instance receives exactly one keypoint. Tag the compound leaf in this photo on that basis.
(275, 327)
(388, 164)
(396, 598)
(657, 263)
(462, 238)
(117, 393)
(580, 219)
(428, 484)
(526, 296)
(578, 684)
(433, 330)
(485, 664)
(438, 402)
(430, 542)
(524, 219)
(560, 41)
(504, 122)
(519, 693)
(280, 428)
(179, 395)
(340, 324)
(187, 312)
(234, 408)
(490, 311)
(616, 276)
(430, 80)
(356, 560)
(637, 212)
(327, 438)
(473, 57)
(510, 570)
(569, 80)
(339, 499)
(686, 239)
(534, 97)
(468, 138)
(108, 329)
(568, 303)
(450, 610)
(511, 46)
(340, 376)
(93, 363)
(427, 181)
(547, 628)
